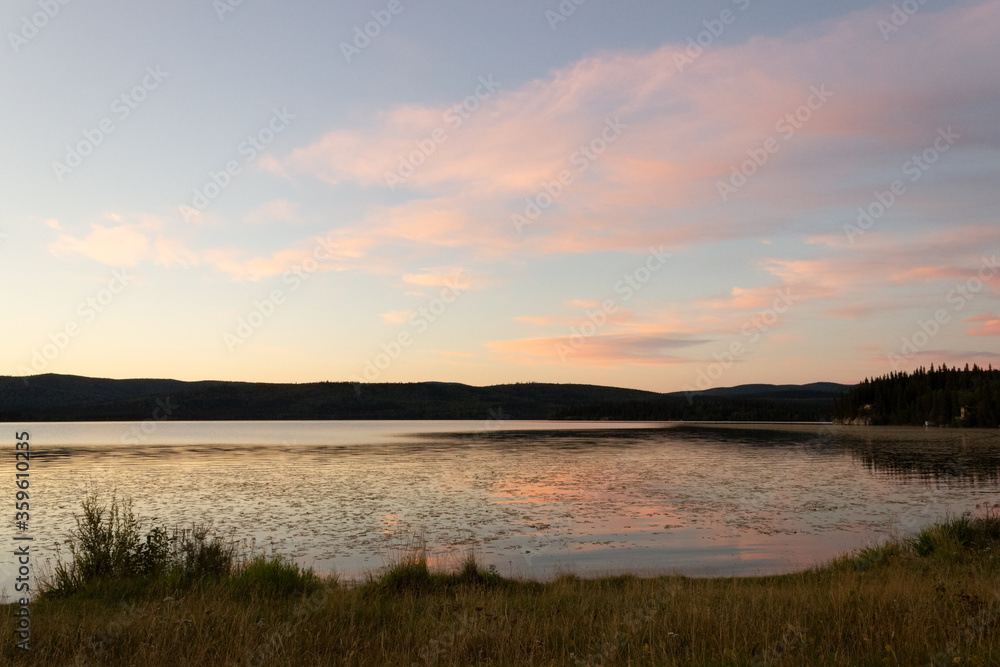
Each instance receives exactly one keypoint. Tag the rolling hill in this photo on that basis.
(72, 398)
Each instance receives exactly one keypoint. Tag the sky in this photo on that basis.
(665, 196)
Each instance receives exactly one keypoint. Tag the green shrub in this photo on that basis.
(272, 577)
(108, 544)
(876, 555)
(198, 554)
(923, 543)
(109, 552)
(411, 575)
(958, 535)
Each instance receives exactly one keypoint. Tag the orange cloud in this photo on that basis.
(397, 316)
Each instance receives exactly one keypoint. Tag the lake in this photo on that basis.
(532, 498)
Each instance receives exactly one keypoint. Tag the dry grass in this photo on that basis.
(896, 604)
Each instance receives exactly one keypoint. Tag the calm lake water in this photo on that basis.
(531, 498)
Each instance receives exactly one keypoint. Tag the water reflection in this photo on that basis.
(969, 457)
(531, 497)
(956, 461)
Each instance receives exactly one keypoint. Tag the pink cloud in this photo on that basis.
(655, 184)
(435, 222)
(746, 299)
(990, 326)
(854, 312)
(925, 274)
(600, 351)
(684, 132)
(680, 133)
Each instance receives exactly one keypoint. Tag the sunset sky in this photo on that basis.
(658, 195)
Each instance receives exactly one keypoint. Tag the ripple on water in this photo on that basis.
(698, 500)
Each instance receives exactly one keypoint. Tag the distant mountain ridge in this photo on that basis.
(54, 397)
(814, 389)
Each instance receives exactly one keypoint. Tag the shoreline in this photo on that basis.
(896, 602)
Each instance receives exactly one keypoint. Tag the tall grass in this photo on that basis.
(898, 603)
(407, 571)
(958, 536)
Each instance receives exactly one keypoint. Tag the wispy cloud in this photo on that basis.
(601, 351)
(126, 244)
(990, 325)
(657, 184)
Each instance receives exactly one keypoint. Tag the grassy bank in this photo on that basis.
(933, 599)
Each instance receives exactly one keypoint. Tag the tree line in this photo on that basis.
(967, 397)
